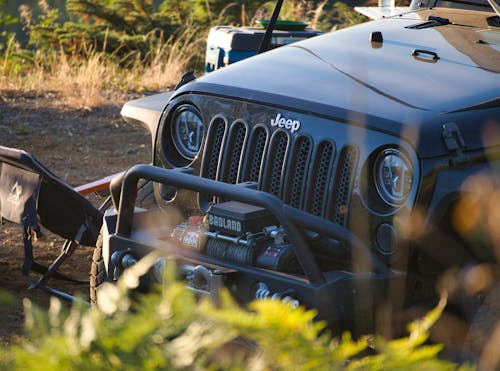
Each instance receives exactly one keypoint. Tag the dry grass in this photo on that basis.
(99, 78)
(169, 61)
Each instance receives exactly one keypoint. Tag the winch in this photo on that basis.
(240, 233)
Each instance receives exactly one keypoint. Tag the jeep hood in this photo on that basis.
(467, 72)
(345, 70)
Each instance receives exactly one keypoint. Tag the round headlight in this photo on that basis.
(393, 176)
(187, 131)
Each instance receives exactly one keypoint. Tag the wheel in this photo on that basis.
(98, 275)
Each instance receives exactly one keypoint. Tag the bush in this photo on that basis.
(90, 52)
(171, 330)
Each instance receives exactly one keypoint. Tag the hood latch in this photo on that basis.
(455, 144)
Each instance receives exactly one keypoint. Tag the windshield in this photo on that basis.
(460, 4)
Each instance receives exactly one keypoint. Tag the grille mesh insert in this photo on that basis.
(320, 177)
(298, 171)
(232, 153)
(215, 138)
(344, 180)
(277, 152)
(254, 152)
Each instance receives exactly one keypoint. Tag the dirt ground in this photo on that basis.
(78, 144)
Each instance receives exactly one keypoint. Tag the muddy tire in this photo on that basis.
(97, 271)
(98, 275)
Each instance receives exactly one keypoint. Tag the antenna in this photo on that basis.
(266, 39)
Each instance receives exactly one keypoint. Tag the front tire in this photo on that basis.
(98, 275)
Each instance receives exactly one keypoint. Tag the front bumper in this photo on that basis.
(346, 300)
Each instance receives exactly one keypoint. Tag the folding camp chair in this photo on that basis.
(31, 195)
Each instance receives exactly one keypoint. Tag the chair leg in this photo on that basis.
(41, 269)
(68, 248)
(62, 295)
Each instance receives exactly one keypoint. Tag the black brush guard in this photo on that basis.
(321, 290)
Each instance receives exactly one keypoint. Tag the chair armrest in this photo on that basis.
(98, 185)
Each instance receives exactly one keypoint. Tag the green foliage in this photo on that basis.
(172, 330)
(128, 29)
(121, 28)
(6, 38)
(133, 35)
(337, 15)
(6, 299)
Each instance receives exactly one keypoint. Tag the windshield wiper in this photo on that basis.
(432, 21)
(435, 21)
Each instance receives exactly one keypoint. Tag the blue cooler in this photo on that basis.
(229, 44)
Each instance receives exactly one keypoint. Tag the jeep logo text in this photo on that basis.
(281, 122)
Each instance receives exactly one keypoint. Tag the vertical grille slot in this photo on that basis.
(297, 172)
(255, 149)
(232, 152)
(273, 173)
(320, 176)
(213, 145)
(343, 184)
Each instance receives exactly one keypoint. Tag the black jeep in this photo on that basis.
(354, 172)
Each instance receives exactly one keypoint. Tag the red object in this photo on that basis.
(194, 220)
(98, 185)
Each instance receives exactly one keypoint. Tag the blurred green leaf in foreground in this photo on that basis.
(172, 330)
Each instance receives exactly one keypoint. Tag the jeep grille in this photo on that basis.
(304, 174)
